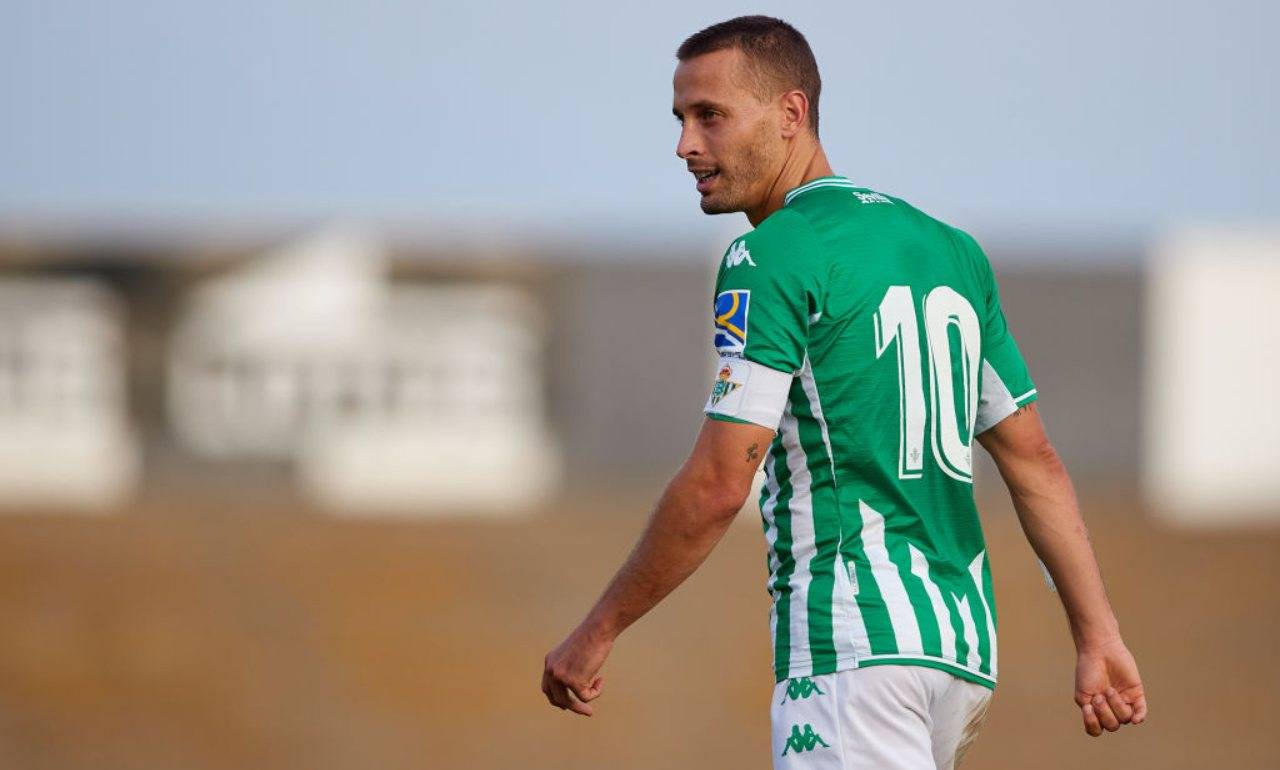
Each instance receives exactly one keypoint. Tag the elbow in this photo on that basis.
(1024, 451)
(1042, 453)
(1033, 467)
(717, 500)
(723, 503)
(732, 502)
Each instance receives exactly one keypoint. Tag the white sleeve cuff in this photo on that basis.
(745, 390)
(996, 402)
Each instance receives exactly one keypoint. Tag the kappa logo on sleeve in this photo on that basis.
(738, 254)
(731, 321)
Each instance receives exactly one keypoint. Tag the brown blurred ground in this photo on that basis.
(238, 633)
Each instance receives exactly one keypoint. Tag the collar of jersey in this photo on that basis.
(816, 184)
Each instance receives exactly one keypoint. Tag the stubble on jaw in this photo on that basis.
(749, 166)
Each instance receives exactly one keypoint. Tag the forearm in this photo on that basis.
(685, 526)
(1046, 504)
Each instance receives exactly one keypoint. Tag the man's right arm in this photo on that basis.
(1108, 689)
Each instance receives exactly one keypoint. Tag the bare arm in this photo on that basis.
(692, 515)
(1108, 688)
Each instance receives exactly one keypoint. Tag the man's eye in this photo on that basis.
(710, 114)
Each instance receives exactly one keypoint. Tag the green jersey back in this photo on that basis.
(870, 337)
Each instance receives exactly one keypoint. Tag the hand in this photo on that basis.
(570, 672)
(1108, 688)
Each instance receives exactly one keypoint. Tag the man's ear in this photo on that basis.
(795, 113)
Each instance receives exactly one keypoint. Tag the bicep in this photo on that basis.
(727, 455)
(1017, 441)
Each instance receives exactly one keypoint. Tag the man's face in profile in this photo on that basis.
(727, 137)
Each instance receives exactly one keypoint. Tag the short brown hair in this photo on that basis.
(778, 52)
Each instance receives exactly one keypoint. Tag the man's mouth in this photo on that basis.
(706, 178)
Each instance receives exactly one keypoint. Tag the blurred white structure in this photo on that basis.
(1212, 435)
(394, 400)
(65, 435)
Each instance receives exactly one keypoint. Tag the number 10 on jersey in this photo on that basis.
(897, 326)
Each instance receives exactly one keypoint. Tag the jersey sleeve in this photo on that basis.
(768, 291)
(1004, 383)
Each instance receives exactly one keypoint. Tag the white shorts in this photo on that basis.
(886, 717)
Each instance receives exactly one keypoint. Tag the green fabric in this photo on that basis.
(890, 322)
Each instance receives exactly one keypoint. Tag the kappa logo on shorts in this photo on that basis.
(731, 320)
(801, 688)
(801, 742)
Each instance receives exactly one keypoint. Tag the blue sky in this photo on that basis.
(1105, 117)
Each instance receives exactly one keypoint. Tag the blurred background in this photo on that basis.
(345, 347)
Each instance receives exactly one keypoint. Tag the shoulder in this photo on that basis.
(969, 249)
(783, 241)
(843, 210)
(787, 228)
(961, 240)
(905, 209)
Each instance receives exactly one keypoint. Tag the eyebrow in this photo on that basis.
(703, 104)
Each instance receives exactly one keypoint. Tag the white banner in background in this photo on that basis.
(1212, 430)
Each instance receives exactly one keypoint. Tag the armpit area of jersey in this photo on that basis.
(745, 391)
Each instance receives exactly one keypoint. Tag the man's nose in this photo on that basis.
(688, 144)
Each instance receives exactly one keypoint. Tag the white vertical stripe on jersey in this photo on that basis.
(851, 637)
(771, 540)
(802, 535)
(970, 631)
(847, 628)
(906, 630)
(947, 633)
(975, 570)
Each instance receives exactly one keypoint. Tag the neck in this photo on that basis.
(804, 162)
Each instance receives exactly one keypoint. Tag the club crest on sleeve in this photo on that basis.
(724, 385)
(730, 386)
(731, 321)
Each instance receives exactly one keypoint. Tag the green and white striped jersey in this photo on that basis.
(870, 337)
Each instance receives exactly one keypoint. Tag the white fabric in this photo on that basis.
(888, 717)
(749, 391)
(996, 403)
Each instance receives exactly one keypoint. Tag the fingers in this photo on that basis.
(1110, 710)
(566, 698)
(579, 707)
(1105, 715)
(1119, 706)
(569, 697)
(554, 691)
(590, 692)
(1091, 724)
(1140, 709)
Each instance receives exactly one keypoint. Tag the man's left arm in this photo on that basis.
(689, 520)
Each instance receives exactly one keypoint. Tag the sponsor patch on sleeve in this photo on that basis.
(731, 321)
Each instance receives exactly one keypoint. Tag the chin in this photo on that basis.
(710, 205)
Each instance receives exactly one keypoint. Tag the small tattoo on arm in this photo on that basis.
(753, 451)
